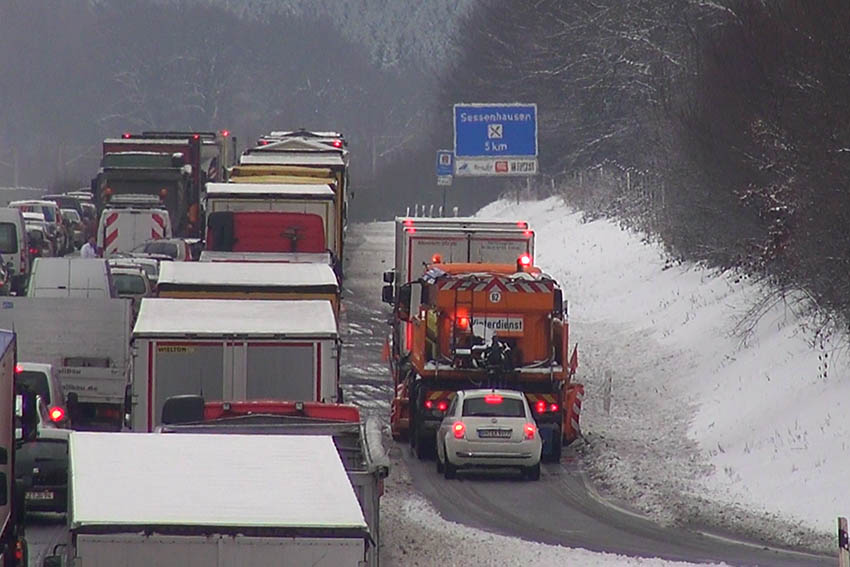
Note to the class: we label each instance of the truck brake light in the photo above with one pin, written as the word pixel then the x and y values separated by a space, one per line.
pixel 126 135
pixel 529 430
pixel 459 429
pixel 429 404
pixel 554 407
pixel 540 406
pixel 524 260
pixel 408 222
pixel 225 133
pixel 337 143
pixel 19 368
pixel 442 405
pixel 463 323
pixel 522 224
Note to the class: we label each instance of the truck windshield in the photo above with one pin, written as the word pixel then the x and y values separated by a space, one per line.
pixel 8 238
pixel 36 381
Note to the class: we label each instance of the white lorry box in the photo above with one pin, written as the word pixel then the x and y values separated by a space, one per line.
pixel 248 280
pixel 71 277
pixel 88 343
pixel 13 246
pixel 227 349
pixel 210 500
pixel 122 229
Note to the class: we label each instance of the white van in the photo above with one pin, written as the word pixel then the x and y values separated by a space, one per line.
pixel 71 277
pixel 14 246
pixel 121 229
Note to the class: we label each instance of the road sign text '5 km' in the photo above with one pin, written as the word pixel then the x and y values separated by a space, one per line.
pixel 495 130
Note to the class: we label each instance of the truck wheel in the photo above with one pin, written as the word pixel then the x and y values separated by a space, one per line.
pixel 554 455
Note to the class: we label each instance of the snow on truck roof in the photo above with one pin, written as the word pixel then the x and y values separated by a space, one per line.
pixel 223 481
pixel 248 189
pixel 293 158
pixel 167 317
pixel 245 274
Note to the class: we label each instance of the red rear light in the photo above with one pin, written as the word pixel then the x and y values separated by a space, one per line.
pixel 337 143
pixel 33 251
pixel 196 136
pixel 126 135
pixel 524 260
pixel 57 414
pixel 408 222
pixel 429 404
pixel 19 368
pixel 522 224
pixel 463 322
pixel 436 259
pixel 529 430
pixel 554 407
pixel 540 407
pixel 459 429
pixel 442 405
pixel 410 229
pixel 527 233
pixel 225 133
pixel 493 399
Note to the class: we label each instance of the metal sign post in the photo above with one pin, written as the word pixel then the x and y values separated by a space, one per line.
pixel 445 170
pixel 495 139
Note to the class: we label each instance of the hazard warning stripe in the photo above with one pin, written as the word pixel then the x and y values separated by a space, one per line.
pixel 110 238
pixel 159 220
pixel 111 219
pixel 503 283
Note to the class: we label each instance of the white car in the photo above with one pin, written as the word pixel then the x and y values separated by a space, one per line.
pixel 42 379
pixel 489 428
pixel 148 265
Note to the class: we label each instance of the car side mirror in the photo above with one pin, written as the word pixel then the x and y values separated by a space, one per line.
pixel 186 408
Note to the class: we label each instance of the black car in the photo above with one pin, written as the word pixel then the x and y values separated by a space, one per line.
pixel 41 466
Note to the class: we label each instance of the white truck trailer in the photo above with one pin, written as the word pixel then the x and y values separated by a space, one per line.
pixel 210 500
pixel 87 340
pixel 228 349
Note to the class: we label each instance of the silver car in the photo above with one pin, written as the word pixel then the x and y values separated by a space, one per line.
pixel 489 429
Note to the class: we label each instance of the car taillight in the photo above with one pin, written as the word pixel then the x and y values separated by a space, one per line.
pixel 57 414
pixel 529 430
pixel 554 407
pixel 19 368
pixel 540 406
pixel 462 323
pixel 429 404
pixel 459 429
pixel 442 405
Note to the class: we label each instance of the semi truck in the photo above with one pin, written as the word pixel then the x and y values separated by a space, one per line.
pixel 226 349
pixel 358 442
pixel 88 341
pixel 484 325
pixel 277 218
pixel 248 280
pixel 211 500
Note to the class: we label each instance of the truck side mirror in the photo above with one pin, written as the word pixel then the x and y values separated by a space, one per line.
pixel 389 276
pixel 558 308
pixel 402 303
pixel 387 294
pixel 187 408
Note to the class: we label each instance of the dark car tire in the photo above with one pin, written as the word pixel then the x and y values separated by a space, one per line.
pixel 532 473
pixel 449 470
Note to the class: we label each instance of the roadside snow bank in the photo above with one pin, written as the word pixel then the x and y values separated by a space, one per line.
pixel 687 418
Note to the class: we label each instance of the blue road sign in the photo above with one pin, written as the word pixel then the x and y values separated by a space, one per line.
pixel 495 130
pixel 445 162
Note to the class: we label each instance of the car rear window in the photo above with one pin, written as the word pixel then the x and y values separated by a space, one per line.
pixel 36 381
pixel 167 248
pixel 496 407
pixel 8 238
pixel 127 283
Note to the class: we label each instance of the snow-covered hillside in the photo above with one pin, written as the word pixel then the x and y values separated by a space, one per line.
pixel 690 415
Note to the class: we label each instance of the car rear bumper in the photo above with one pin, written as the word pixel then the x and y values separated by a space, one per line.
pixel 478 454
pixel 46 498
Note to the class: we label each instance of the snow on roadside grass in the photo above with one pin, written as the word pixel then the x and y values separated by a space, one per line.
pixel 685 419
pixel 415 535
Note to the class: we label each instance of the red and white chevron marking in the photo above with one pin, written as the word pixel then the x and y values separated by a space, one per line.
pixel 506 284
pixel 158 229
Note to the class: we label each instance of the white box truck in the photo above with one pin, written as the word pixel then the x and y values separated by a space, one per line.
pixel 211 500
pixel 87 340
pixel 228 349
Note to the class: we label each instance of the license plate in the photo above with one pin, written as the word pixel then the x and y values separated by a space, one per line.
pixel 494 433
pixel 44 495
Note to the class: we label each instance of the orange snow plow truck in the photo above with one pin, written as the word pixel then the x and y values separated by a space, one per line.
pixel 484 325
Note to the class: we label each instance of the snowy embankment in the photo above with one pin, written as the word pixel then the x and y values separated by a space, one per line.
pixel 688 417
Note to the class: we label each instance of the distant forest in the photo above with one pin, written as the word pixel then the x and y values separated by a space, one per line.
pixel 718 126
